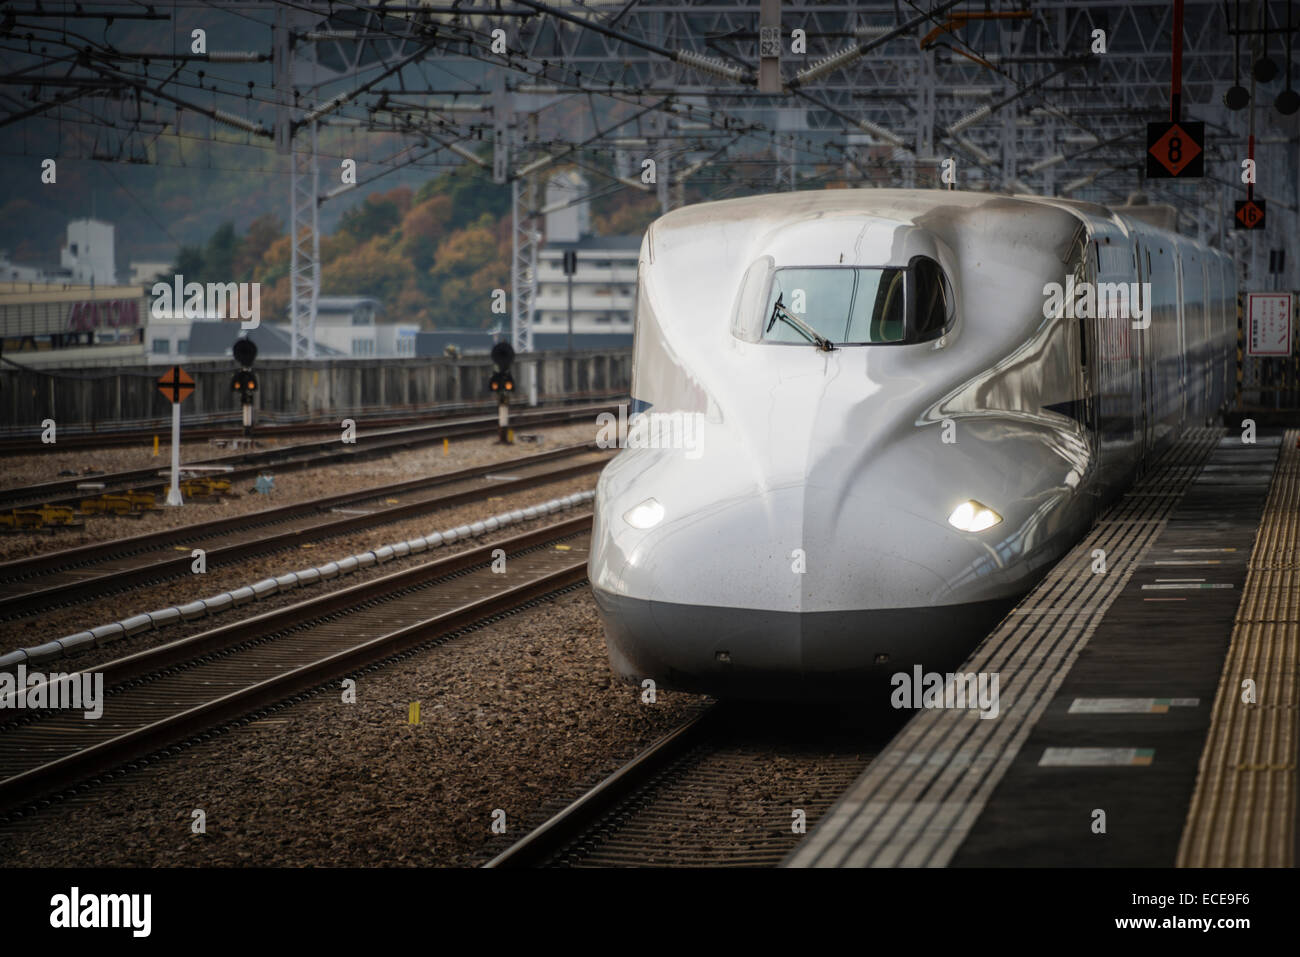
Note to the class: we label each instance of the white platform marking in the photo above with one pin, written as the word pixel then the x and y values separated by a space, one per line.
pixel 1130 705
pixel 1187 586
pixel 1096 757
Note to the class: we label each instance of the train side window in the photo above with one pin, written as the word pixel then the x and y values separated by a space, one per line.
pixel 933 306
pixel 1082 267
pixel 747 314
pixel 1141 286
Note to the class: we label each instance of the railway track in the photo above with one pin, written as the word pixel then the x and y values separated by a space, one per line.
pixel 39 583
pixel 301 456
pixel 164 697
pixel 722 789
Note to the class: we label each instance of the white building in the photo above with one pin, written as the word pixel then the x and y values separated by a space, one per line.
pixel 145 273
pixel 349 324
pixel 17 272
pixel 568 214
pixel 604 283
pixel 88 253
pixel 345 326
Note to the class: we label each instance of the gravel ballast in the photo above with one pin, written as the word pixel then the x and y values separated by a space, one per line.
pixel 291 485
pixel 57 622
pixel 513 717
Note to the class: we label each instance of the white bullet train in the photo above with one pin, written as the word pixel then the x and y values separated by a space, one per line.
pixel 865 422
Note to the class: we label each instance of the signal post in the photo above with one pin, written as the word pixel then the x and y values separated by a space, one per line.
pixel 244 384
pixel 502 383
pixel 176 385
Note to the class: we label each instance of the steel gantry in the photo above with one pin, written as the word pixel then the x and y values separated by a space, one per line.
pixel 1047 96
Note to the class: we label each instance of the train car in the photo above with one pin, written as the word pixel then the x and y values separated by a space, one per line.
pixel 866 422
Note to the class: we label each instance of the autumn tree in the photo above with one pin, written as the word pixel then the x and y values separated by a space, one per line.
pixel 371 270
pixel 467 267
pixel 251 261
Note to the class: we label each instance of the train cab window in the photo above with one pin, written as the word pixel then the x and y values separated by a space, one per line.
pixel 845 305
pixel 849 306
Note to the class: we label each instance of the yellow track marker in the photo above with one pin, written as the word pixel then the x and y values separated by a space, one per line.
pixel 414 717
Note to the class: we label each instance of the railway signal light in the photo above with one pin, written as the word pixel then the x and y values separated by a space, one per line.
pixel 245 351
pixel 244 384
pixel 502 357
pixel 502 383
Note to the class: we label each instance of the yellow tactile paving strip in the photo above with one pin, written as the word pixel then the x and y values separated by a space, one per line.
pixel 1244 810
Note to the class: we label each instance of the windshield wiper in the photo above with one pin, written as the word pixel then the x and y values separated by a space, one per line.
pixel 799 326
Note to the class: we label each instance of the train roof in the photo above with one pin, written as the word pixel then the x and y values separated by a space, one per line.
pixel 924 208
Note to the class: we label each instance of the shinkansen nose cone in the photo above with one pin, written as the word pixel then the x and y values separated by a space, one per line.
pixel 774 553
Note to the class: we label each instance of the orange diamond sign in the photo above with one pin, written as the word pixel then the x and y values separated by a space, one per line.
pixel 1175 150
pixel 1249 214
pixel 176 384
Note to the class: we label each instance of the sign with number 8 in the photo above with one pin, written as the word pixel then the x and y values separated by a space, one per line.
pixel 1175 150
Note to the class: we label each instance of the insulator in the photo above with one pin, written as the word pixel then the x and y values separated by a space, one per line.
pixel 970 119
pixel 708 64
pixel 324 108
pixel 234 56
pixel 880 133
pixel 230 119
pixel 1043 164
pixel 828 64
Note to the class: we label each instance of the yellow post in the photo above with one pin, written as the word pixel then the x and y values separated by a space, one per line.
pixel 155 445
pixel 414 717
pixel 446 445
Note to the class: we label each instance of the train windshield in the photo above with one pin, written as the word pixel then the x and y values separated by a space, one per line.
pixel 846 305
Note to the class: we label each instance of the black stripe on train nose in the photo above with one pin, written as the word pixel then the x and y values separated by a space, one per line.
pixel 1072 409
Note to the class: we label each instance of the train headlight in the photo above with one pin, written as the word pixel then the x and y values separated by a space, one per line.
pixel 972 516
pixel 646 515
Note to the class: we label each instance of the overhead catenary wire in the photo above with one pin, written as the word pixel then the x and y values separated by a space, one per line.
pixel 870 120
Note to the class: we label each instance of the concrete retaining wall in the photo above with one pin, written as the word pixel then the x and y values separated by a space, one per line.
pixel 89 397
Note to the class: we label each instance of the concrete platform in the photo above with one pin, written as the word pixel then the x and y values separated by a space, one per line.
pixel 1121 739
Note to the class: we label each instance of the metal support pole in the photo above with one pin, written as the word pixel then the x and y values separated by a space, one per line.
pixel 769 48
pixel 314 173
pixel 304 247
pixel 523 267
pixel 174 493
